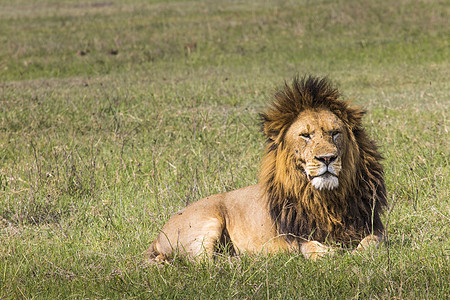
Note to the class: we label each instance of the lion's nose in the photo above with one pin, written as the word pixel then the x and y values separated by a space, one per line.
pixel 326 159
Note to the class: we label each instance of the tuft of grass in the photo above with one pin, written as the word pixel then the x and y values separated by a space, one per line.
pixel 114 115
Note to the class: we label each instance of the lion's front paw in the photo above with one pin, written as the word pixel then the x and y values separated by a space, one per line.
pixel 315 250
pixel 370 241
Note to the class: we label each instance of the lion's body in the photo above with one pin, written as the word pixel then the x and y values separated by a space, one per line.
pixel 320 181
pixel 238 216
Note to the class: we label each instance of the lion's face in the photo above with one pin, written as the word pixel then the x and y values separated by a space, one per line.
pixel 317 141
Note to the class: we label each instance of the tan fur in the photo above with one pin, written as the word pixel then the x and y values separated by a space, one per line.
pixel 320 182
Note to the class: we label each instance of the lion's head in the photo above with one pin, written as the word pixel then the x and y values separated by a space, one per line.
pixel 321 172
pixel 318 141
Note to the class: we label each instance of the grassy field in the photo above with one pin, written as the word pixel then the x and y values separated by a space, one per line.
pixel 115 114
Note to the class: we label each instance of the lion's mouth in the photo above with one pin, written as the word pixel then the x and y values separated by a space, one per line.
pixel 324 172
pixel 327 180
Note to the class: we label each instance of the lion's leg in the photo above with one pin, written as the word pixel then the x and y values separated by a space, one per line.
pixel 190 233
pixel 202 238
pixel 315 250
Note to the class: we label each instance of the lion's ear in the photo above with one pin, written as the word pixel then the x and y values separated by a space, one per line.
pixel 272 127
pixel 270 133
pixel 267 126
pixel 354 116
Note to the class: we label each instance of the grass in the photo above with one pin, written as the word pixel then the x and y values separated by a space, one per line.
pixel 114 115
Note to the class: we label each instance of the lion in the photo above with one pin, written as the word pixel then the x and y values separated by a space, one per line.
pixel 321 185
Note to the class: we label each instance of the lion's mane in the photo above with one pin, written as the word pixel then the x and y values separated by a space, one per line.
pixel 300 211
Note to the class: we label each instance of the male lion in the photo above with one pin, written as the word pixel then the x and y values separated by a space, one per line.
pixel 320 181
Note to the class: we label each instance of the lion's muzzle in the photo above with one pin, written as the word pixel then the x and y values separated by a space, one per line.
pixel 324 172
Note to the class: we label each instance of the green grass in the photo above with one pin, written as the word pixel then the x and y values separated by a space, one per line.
pixel 98 150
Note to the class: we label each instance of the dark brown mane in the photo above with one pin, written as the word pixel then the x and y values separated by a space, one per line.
pixel 300 211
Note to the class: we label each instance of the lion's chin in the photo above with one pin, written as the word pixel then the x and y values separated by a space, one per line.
pixel 326 181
